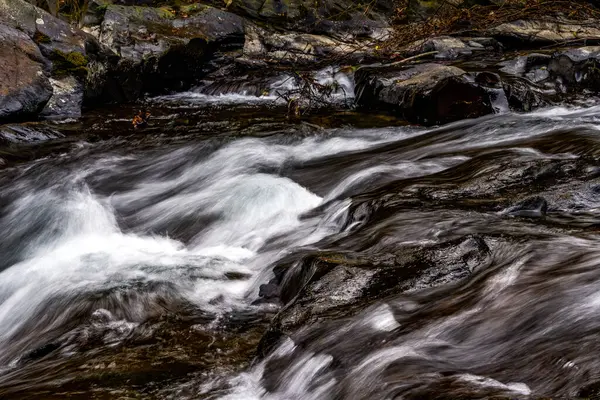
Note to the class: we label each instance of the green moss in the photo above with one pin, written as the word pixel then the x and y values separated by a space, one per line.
pixel 73 63
pixel 40 37
pixel 166 12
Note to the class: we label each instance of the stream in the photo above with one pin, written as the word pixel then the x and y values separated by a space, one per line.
pixel 456 262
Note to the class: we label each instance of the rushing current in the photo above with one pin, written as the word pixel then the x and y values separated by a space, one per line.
pixel 408 263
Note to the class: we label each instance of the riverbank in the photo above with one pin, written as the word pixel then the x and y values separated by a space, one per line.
pixel 124 54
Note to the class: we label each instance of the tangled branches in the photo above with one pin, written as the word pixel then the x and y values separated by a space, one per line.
pixel 455 17
pixel 308 93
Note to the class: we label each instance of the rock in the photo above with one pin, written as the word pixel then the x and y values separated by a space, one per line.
pixel 533 207
pixel 420 10
pixel 525 32
pixel 160 50
pixel 448 48
pixel 428 94
pixel 27 133
pixel 240 78
pixel 525 64
pixel 66 100
pixel 24 86
pixel 526 81
pixel 94 13
pixel 331 285
pixel 295 47
pixel 577 68
pixel 50 33
pixel 524 96
pixel 268 291
pixel 341 19
pixel 66 51
pixel 489 43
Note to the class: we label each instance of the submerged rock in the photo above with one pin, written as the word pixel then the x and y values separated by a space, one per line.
pixel 26 133
pixel 427 93
pixel 331 285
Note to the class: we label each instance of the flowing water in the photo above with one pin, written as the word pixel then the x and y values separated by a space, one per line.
pixel 307 262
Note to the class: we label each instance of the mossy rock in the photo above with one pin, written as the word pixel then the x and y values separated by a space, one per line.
pixel 73 63
pixel 40 38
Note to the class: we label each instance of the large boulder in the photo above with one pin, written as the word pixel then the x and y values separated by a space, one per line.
pixel 51 34
pixel 65 52
pixel 24 86
pixel 428 94
pixel 160 49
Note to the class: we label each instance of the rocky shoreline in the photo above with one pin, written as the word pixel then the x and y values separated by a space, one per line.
pixel 52 70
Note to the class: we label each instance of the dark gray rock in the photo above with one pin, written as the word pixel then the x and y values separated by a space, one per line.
pixel 577 68
pixel 159 51
pixel 51 34
pixel 66 100
pixel 525 96
pixel 297 48
pixel 448 48
pixel 26 133
pixel 66 51
pixel 533 207
pixel 24 87
pixel 428 94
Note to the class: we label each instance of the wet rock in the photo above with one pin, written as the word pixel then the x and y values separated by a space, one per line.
pixel 526 81
pixel 330 285
pixel 66 100
pixel 427 93
pixel 533 207
pixel 66 52
pixel 239 78
pixel 577 68
pixel 473 251
pixel 493 85
pixel 527 32
pixel 268 291
pixel 295 47
pixel 524 64
pixel 448 48
pixel 159 50
pixel 524 96
pixel 51 34
pixel 27 133
pixel 24 86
